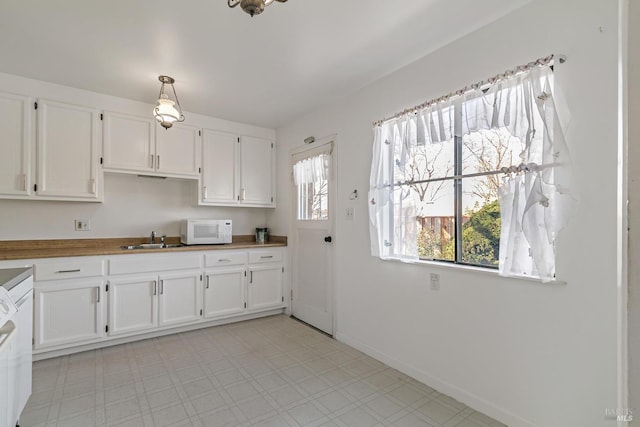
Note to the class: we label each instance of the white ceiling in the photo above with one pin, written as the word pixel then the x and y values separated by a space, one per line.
pixel 265 70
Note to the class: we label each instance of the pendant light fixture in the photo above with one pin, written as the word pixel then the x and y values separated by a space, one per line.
pixel 252 7
pixel 167 111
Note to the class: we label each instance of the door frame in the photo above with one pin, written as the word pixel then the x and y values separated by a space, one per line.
pixel 333 186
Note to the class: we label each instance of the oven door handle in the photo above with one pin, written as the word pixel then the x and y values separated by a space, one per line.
pixel 24 298
pixel 7 332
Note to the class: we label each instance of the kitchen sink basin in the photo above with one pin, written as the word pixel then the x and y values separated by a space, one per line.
pixel 153 246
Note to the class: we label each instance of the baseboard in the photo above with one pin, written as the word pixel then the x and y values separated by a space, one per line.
pixel 469 399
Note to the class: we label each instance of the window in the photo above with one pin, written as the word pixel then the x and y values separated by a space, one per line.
pixel 312 185
pixel 478 178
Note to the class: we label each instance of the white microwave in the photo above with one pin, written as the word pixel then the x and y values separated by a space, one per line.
pixel 205 231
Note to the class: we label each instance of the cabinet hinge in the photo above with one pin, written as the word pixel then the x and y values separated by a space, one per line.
pixel 35 187
pixel 282 299
pixel 238 140
pixel 272 145
pixel 33 341
pixel 238 197
pixel 101 160
pixel 201 277
pixel 106 328
pixel 272 200
pixel 245 305
pixel 245 274
pixel 283 269
pixel 107 288
pixel 200 134
pixel 101 116
pixel 199 170
pixel 200 312
pixel 291 294
pixel 35 105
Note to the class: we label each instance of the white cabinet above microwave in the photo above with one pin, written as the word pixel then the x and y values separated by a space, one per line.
pixel 236 170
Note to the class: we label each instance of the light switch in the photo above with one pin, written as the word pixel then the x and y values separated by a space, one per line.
pixel 350 214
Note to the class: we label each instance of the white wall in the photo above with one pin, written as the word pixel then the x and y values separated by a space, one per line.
pixel 133 206
pixel 634 209
pixel 525 353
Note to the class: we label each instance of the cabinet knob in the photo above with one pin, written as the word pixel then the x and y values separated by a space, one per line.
pixel 328 239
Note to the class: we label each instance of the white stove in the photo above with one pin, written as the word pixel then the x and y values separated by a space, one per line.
pixel 16 326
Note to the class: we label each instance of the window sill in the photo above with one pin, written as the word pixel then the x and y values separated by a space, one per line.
pixel 487 271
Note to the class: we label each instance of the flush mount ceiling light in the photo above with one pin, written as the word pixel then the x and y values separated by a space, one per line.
pixel 252 7
pixel 166 112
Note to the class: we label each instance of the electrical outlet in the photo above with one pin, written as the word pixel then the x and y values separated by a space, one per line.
pixel 83 225
pixel 350 214
pixel 435 282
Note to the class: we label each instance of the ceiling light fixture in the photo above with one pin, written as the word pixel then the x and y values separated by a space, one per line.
pixel 166 112
pixel 252 7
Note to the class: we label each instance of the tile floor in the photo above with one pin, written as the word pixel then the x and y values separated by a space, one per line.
pixel 273 371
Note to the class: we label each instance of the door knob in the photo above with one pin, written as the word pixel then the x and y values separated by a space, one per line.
pixel 327 239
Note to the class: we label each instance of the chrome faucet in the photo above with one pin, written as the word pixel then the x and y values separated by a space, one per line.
pixel 152 239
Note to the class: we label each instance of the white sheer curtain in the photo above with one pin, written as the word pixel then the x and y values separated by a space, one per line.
pixel 534 207
pixel 311 169
pixel 392 207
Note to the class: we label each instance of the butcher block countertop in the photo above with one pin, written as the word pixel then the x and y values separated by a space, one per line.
pixel 31 249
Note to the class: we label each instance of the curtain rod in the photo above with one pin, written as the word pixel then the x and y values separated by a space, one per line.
pixel 540 62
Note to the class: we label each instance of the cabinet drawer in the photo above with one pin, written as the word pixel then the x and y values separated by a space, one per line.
pixel 220 259
pixel 67 269
pixel 265 255
pixel 131 264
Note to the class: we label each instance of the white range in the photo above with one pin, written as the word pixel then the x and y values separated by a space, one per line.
pixel 16 334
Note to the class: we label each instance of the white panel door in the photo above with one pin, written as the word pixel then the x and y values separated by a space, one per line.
pixel 224 292
pixel 312 243
pixel 68 150
pixel 264 287
pixel 133 305
pixel 256 156
pixel 16 126
pixel 68 313
pixel 128 142
pixel 219 168
pixel 178 150
pixel 180 298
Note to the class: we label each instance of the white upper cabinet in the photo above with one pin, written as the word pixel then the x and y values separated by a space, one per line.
pixel 135 144
pixel 178 151
pixel 67 151
pixel 219 168
pixel 237 170
pixel 129 142
pixel 256 171
pixel 16 128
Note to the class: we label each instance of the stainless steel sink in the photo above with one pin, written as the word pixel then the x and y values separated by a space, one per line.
pixel 152 246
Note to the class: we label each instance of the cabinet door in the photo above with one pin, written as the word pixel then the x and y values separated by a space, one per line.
pixel 265 287
pixel 133 305
pixel 16 125
pixel 67 146
pixel 68 313
pixel 178 150
pixel 256 156
pixel 180 298
pixel 219 168
pixel 224 292
pixel 128 143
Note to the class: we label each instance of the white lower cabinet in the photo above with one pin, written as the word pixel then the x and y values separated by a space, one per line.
pixel 87 300
pixel 265 287
pixel 224 293
pixel 133 305
pixel 180 298
pixel 68 313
